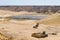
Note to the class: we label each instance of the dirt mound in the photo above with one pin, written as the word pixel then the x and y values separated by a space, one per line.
pixel 51 20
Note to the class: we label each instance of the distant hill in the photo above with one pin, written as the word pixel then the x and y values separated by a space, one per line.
pixel 38 9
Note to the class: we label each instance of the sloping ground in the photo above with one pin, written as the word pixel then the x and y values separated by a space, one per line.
pixel 10 13
pixel 51 20
pixel 22 30
pixel 17 30
pixel 4 13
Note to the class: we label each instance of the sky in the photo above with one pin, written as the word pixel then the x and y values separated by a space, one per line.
pixel 29 2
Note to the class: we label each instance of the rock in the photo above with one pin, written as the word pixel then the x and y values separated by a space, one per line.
pixel 53 33
pixel 37 25
pixel 39 35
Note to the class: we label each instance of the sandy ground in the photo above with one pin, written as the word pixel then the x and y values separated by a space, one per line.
pixel 22 30
pixel 5 13
pixel 53 19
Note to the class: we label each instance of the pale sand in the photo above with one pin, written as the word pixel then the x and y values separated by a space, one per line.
pixel 23 29
pixel 5 13
pixel 53 19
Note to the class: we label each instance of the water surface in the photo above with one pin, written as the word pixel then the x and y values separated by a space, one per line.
pixel 30 17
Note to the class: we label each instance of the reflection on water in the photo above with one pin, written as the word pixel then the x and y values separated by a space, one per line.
pixel 30 17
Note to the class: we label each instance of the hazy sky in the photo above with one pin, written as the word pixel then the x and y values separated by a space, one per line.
pixel 29 2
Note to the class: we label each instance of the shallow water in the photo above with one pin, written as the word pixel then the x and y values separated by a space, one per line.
pixel 30 17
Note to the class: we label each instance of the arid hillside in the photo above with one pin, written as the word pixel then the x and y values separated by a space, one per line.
pixel 38 9
pixel 14 25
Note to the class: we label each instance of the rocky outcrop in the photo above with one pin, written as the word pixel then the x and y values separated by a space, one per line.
pixel 38 9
